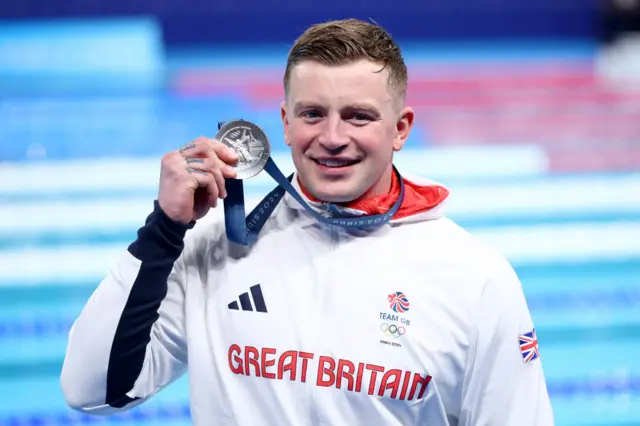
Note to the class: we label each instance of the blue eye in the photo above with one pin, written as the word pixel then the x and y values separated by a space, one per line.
pixel 361 117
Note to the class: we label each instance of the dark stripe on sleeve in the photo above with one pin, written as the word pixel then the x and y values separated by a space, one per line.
pixel 159 244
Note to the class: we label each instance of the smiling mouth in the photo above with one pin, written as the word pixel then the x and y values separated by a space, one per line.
pixel 336 163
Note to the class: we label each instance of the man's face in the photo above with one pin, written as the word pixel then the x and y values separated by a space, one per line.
pixel 343 124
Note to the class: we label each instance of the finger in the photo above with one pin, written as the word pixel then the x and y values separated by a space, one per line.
pixel 199 178
pixel 211 164
pixel 226 170
pixel 224 153
pixel 219 178
pixel 200 147
pixel 213 190
pixel 203 164
pixel 206 180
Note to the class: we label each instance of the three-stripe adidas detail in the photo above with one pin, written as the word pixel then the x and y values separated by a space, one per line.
pixel 245 301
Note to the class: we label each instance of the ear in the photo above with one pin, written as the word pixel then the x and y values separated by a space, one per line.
pixel 285 122
pixel 403 127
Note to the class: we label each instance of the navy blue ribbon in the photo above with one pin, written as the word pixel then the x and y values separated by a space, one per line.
pixel 244 230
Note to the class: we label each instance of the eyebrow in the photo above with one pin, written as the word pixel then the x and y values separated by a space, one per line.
pixel 357 106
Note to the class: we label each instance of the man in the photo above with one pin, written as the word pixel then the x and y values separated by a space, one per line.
pixel 412 322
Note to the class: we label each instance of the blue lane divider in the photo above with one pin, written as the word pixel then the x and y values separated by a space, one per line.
pixel 123 236
pixel 603 299
pixel 592 387
pixel 607 387
pixel 565 302
pixel 35 327
pixel 166 412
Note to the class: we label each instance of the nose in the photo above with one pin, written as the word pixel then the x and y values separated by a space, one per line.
pixel 333 136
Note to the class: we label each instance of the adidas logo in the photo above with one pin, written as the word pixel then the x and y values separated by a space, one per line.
pixel 245 301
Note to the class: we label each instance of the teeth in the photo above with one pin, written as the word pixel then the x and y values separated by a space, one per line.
pixel 335 163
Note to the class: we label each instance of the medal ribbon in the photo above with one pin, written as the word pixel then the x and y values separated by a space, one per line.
pixel 244 230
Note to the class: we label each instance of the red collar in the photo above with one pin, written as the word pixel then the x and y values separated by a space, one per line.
pixel 417 199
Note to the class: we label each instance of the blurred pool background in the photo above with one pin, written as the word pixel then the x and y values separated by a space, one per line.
pixel 528 111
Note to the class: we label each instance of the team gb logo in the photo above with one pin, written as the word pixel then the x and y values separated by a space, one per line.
pixel 398 302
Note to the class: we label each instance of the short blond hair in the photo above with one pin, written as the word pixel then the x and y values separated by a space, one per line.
pixel 343 41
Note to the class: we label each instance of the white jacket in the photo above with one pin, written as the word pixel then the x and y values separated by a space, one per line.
pixel 300 328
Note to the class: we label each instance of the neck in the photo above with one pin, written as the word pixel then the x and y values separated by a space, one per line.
pixel 381 187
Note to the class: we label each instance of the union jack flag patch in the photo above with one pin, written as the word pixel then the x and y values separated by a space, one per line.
pixel 529 346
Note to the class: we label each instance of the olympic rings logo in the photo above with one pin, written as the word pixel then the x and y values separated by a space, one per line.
pixel 392 330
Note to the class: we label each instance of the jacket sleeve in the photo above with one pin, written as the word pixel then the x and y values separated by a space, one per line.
pixel 129 340
pixel 504 385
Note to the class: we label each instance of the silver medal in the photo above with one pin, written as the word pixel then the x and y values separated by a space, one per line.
pixel 249 142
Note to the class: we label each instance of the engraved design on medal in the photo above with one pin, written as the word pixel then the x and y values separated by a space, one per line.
pixel 249 142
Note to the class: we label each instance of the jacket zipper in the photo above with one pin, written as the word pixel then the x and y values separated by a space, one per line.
pixel 314 418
